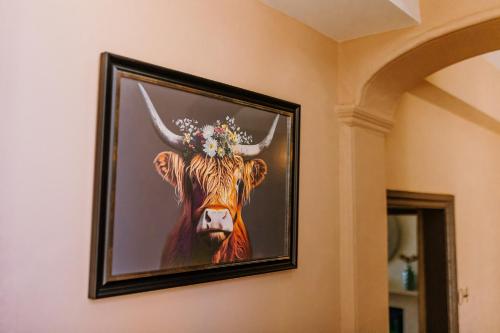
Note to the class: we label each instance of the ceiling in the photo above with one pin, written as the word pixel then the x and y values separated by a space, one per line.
pixel 348 19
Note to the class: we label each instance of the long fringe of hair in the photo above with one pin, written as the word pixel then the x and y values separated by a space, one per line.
pixel 215 176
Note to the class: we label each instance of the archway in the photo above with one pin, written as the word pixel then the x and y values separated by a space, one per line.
pixel 382 91
pixel 362 164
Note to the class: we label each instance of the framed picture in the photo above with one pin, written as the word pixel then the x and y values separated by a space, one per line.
pixel 195 180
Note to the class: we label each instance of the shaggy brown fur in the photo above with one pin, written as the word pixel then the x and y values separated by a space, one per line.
pixel 208 183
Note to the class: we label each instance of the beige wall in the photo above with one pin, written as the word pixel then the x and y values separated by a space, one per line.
pixel 434 149
pixel 475 81
pixel 48 88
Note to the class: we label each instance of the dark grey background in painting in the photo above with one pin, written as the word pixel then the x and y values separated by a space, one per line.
pixel 146 208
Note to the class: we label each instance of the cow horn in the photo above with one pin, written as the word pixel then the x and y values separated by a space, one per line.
pixel 169 137
pixel 254 150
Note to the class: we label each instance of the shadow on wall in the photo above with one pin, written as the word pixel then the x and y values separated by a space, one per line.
pixel 450 103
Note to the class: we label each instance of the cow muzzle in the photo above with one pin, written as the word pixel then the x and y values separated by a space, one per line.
pixel 215 224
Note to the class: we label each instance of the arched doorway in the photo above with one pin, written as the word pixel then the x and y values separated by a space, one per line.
pixel 362 165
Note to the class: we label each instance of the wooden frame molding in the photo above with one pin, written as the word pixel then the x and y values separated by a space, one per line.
pixel 446 204
pixel 103 282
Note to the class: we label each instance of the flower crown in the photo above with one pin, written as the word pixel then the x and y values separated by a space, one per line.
pixel 216 140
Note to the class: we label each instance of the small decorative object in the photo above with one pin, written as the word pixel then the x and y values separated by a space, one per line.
pixel 195 180
pixel 408 275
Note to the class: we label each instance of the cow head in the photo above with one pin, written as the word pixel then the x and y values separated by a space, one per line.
pixel 213 188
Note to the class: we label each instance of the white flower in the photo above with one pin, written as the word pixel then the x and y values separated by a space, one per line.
pixel 208 131
pixel 210 147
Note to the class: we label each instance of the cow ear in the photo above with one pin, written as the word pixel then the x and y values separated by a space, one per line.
pixel 170 166
pixel 256 171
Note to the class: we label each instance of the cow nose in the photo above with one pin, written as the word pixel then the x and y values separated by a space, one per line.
pixel 215 220
pixel 215 215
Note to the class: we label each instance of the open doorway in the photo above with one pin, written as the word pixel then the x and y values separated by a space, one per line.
pixel 422 263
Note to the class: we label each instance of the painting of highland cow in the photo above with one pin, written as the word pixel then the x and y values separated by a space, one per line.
pixel 195 181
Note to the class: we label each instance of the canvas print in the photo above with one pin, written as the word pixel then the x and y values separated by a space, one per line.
pixel 197 180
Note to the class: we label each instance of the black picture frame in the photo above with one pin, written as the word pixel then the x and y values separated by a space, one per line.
pixel 99 285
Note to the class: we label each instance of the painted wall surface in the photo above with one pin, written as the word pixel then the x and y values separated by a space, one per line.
pixel 475 81
pixel 434 149
pixel 48 86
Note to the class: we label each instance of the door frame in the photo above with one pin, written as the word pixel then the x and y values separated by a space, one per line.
pixel 446 203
